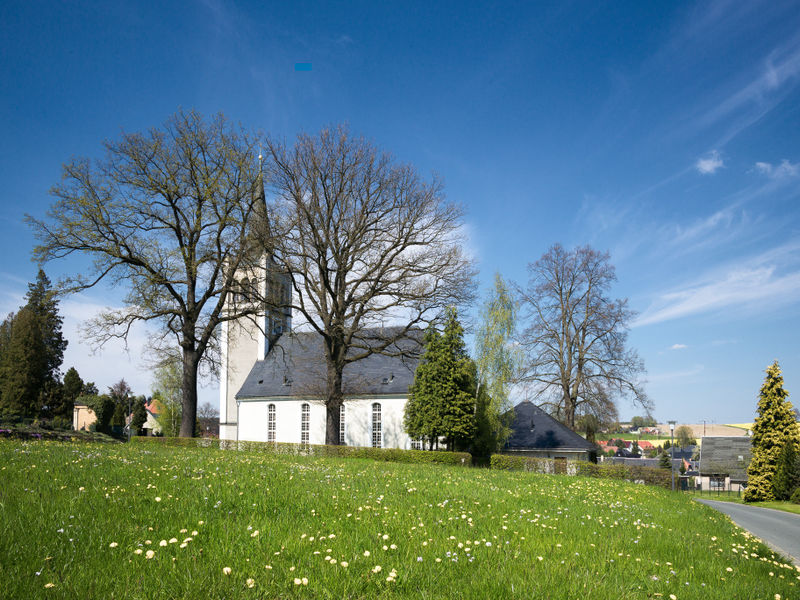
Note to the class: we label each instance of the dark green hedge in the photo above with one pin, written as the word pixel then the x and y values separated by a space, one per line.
pixel 384 454
pixel 637 474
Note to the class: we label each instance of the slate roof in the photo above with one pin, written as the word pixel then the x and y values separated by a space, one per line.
pixel 534 429
pixel 295 366
pixel 720 456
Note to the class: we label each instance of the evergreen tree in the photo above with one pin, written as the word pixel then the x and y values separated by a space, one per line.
pixel 139 415
pixel 73 386
pixel 774 427
pixel 31 351
pixel 23 372
pixel 664 461
pixel 787 472
pixel 442 399
pixel 497 364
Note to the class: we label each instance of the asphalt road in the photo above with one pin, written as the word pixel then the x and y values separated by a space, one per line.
pixel 779 529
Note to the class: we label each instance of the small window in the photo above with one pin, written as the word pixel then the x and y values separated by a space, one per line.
pixel 305 421
pixel 271 423
pixel 377 433
pixel 416 443
pixel 341 425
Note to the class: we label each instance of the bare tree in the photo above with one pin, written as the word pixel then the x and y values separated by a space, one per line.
pixel 366 242
pixel 174 215
pixel 575 340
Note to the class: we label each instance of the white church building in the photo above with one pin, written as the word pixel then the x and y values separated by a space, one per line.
pixel 272 383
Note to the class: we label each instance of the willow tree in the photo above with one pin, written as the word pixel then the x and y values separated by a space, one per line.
pixel 774 427
pixel 498 360
pixel 366 242
pixel 173 216
pixel 577 360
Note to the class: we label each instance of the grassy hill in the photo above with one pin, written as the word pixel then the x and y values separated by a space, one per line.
pixel 141 521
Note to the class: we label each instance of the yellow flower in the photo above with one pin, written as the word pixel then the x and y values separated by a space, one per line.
pixel 49 585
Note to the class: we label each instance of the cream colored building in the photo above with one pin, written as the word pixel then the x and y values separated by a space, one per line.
pixel 82 417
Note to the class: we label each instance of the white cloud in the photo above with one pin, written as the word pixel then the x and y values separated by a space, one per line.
pixel 765 282
pixel 785 169
pixel 710 163
pixel 678 347
pixel 672 375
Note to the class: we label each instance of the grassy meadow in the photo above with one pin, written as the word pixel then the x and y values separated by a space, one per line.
pixel 140 521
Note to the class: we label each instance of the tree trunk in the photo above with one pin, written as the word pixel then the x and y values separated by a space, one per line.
pixel 191 360
pixel 333 403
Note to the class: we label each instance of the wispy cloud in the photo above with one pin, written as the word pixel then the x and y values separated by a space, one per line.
pixel 678 347
pixel 783 170
pixel 710 163
pixel 672 375
pixel 768 281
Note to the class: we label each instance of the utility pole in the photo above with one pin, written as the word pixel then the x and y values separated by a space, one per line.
pixel 672 451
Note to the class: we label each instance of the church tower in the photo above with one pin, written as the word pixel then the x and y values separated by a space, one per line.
pixel 247 340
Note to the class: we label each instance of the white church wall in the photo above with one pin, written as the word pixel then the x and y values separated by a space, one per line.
pixel 253 421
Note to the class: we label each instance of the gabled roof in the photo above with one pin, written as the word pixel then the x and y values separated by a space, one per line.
pixel 295 366
pixel 534 429
pixel 720 456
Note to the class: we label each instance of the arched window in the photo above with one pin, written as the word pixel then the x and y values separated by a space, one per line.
pixel 305 422
pixel 341 424
pixel 377 433
pixel 271 423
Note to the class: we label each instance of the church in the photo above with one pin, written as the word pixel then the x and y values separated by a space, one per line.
pixel 272 379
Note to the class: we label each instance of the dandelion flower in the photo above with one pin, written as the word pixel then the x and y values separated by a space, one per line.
pixel 226 570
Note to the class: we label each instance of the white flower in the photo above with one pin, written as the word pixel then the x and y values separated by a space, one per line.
pixel 162 543
pixel 250 582
pixel 158 498
pixel 226 570
pixel 149 554
pixel 113 545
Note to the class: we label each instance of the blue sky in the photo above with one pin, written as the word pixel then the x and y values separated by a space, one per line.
pixel 665 133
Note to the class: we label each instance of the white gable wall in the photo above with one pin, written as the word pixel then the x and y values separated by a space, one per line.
pixel 358 421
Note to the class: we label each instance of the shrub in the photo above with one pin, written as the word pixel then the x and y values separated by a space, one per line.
pixel 795 499
pixel 382 454
pixel 633 473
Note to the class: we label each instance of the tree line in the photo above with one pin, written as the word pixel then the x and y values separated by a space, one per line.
pixel 182 215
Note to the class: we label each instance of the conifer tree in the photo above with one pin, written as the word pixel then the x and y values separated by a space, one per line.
pixel 31 351
pixel 442 399
pixel 787 472
pixel 774 427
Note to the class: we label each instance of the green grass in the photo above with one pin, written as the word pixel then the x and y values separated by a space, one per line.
pixel 495 534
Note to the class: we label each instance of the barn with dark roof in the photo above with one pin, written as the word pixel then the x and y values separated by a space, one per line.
pixel 535 433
